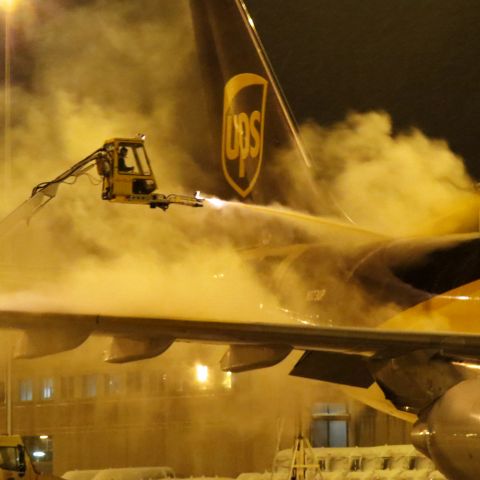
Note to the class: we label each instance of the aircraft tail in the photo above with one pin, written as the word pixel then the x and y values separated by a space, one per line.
pixel 251 126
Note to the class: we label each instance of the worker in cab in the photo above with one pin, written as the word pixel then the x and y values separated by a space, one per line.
pixel 122 161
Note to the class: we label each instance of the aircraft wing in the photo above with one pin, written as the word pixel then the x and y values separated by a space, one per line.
pixel 330 352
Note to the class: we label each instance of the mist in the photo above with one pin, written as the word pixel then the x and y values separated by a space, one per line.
pixel 109 69
pixel 396 183
pixel 133 70
pixel 130 71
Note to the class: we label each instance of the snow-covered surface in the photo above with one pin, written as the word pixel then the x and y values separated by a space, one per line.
pixel 389 462
pixel 79 474
pixel 133 473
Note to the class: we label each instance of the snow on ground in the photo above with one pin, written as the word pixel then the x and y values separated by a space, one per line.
pixel 389 462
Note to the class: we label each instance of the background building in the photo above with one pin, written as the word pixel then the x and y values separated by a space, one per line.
pixel 178 410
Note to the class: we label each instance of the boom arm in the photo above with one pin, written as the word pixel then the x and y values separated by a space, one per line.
pixel 50 188
pixel 131 185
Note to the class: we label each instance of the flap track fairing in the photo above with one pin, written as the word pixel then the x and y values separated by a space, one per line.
pixel 240 358
pixel 122 349
pixel 38 343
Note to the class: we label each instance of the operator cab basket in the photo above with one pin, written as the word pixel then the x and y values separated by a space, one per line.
pixel 126 171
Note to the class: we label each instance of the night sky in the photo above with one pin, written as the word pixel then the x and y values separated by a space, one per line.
pixel 418 60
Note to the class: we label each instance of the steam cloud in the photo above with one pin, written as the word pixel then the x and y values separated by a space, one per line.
pixel 133 70
pixel 395 184
pixel 128 72
pixel 105 69
pixel 130 68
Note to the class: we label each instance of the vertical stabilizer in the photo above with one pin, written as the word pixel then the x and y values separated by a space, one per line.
pixel 249 120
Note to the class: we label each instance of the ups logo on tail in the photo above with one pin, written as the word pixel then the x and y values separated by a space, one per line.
pixel 244 101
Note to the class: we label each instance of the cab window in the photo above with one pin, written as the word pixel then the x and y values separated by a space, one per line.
pixel 8 458
pixel 132 159
pixel 141 159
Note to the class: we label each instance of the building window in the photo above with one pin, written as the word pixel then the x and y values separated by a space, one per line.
pixel 113 384
pixel 2 392
pixel 227 380
pixel 157 383
pixel 134 382
pixel 329 426
pixel 89 386
pixel 46 390
pixel 26 390
pixel 67 387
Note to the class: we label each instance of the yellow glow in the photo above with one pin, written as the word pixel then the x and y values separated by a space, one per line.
pixel 44 437
pixel 201 373
pixel 7 4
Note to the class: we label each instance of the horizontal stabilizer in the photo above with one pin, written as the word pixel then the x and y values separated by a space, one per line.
pixel 124 349
pixel 337 367
pixel 39 342
pixel 240 358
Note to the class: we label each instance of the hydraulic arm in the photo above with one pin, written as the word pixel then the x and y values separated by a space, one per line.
pixel 127 176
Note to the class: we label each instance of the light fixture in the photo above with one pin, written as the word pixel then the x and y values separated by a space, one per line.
pixel 201 373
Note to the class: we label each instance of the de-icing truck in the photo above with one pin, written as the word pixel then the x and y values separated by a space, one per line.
pixel 15 462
